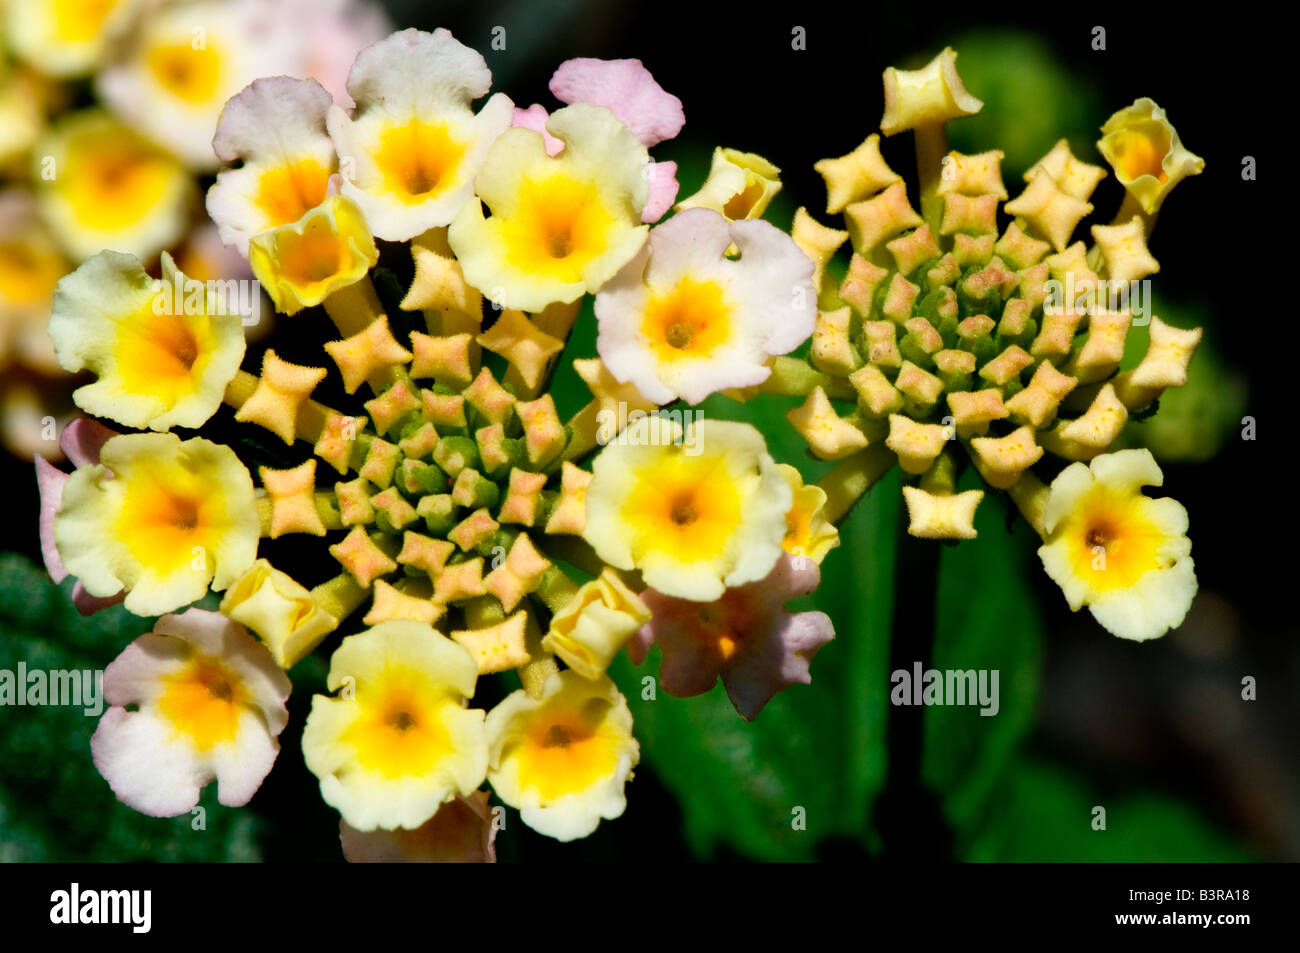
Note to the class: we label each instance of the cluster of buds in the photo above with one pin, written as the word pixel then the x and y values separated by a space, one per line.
pixel 959 334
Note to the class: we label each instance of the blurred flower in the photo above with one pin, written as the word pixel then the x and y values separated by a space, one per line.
pixel 65 38
pixel 563 758
pixel 398 741
pixel 195 700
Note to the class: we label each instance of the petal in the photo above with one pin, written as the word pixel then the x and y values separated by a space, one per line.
pixel 49 482
pixel 535 118
pixel 627 89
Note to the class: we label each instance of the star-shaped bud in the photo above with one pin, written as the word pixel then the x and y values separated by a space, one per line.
pixel 473 490
pixel 941 515
pixel 817 241
pixel 912 250
pixel 1036 404
pixel 900 297
pixel 354 502
pixel 392 603
pixel 359 555
pixel 293 500
pixel 1056 336
pixel 973 411
pixel 420 442
pixel 876 395
pixel 444 358
pixel 882 343
pixel 427 555
pixel 1101 424
pixel 489 398
pixel 1164 365
pixel 570 512
pixel 1019 250
pixel 439 283
pixel 831 350
pixel 281 392
pixel 1006 367
pixel 1053 213
pixel 1015 318
pixel 544 435
pixel 858 288
pixel 337 438
pixel 1143 148
pixel 1104 348
pixel 976 216
pixel 879 219
pixel 1001 460
pixel 1074 177
pixel 973 175
pixel 916 445
pixel 1124 247
pixel 520 574
pixel 523 494
pixel 459 581
pixel 444 410
pixel 366 353
pixel 499 647
pixel 453 454
pixel 437 510
pixel 927 96
pixel 392 511
pixel 919 387
pixel 389 408
pixel 527 348
pixel 473 530
pixel 856 176
pixel 830 436
pixel 380 462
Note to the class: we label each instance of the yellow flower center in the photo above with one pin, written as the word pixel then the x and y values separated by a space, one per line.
pixel 693 319
pixel 189 74
pixel 1142 150
pixel 1115 543
pixel 400 730
pixel 203 701
pixel 687 507
pixel 739 205
pixel 419 160
pixel 170 517
pixel 567 750
pixel 163 354
pixel 560 227
pixel 287 193
pixel 79 21
pixel 315 256
pixel 114 179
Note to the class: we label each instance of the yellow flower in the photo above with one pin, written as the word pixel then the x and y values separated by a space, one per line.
pixel 588 632
pixel 280 610
pixel 162 351
pixel 561 226
pixel 932 94
pixel 1143 148
pixel 103 186
pixel 397 741
pixel 64 37
pixel 740 185
pixel 30 268
pixel 695 510
pixel 1124 555
pixel 563 759
pixel 808 532
pixel 415 142
pixel 160 517
pixel 303 263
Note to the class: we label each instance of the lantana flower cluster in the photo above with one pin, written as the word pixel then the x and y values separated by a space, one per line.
pixel 107 111
pixel 477 533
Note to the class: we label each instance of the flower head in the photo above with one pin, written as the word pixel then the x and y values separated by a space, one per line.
pixel 1124 555
pixel 560 226
pixel 397 741
pixel 747 637
pixel 696 510
pixel 162 351
pixel 563 759
pixel 159 517
pixel 415 141
pixel 1143 148
pixel 683 320
pixel 286 615
pixel 594 624
pixel 195 700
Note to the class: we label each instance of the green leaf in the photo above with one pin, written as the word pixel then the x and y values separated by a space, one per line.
pixel 986 618
pixel 818 747
pixel 1044 813
pixel 54 806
